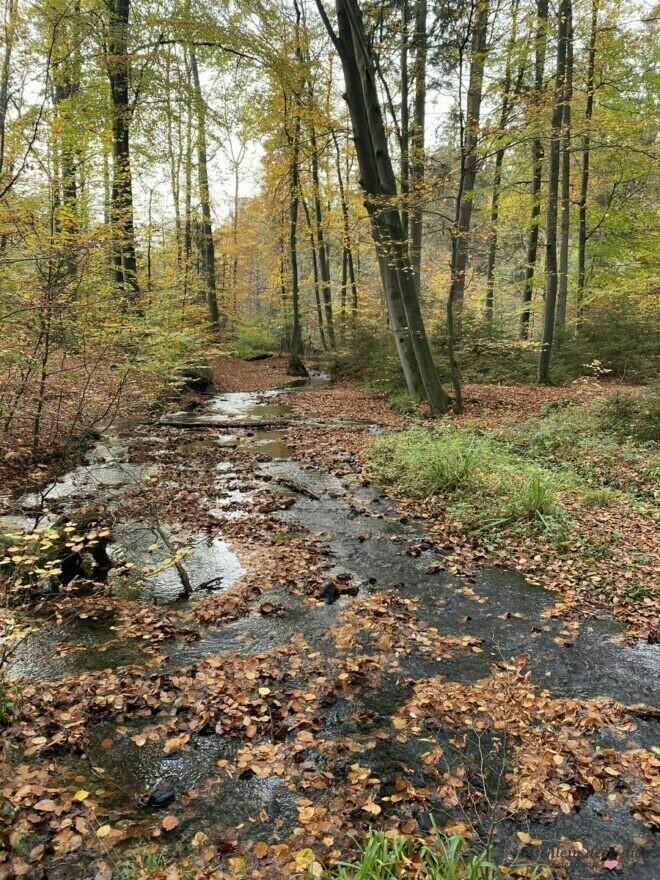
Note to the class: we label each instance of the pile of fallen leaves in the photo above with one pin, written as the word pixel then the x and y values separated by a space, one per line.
pixel 549 763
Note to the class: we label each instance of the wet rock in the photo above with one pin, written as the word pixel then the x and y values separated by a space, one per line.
pixel 329 592
pixel 424 821
pixel 161 796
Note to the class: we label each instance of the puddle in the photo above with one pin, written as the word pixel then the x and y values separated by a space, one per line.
pixel 210 563
pixel 268 443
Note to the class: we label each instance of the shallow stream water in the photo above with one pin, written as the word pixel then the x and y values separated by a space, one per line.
pixel 367 539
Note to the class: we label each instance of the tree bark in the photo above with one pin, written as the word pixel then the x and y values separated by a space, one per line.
pixel 469 159
pixel 207 246
pixel 537 168
pixel 121 193
pixel 405 119
pixel 508 97
pixel 565 225
pixel 322 253
pixel 379 185
pixel 296 366
pixel 584 177
pixel 315 271
pixel 417 136
pixel 346 238
pixel 10 22
pixel 553 193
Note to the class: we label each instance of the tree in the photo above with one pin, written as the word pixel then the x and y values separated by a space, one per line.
pixel 586 158
pixel 379 185
pixel 537 164
pixel 207 247
pixel 117 60
pixel 559 97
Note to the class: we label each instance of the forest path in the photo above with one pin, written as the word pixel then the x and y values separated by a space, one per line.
pixel 326 673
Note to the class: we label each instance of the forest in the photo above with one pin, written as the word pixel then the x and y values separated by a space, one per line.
pixel 329 410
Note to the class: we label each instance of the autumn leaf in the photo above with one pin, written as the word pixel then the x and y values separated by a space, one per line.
pixel 170 822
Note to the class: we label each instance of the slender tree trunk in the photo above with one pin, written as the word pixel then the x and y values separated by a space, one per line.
pixel 174 158
pixel 9 28
pixel 106 179
pixel 234 232
pixel 553 193
pixel 121 195
pixel 187 183
pixel 315 271
pixel 323 262
pixel 296 366
pixel 346 238
pixel 207 246
pixel 537 168
pixel 584 178
pixel 417 136
pixel 405 120
pixel 286 328
pixel 507 101
pixel 469 159
pixel 565 226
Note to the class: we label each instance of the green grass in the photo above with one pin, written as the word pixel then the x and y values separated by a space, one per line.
pixel 402 858
pixel 486 482
pixel 521 475
pixel 140 865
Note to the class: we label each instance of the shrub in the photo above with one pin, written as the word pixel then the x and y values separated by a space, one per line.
pixel 633 416
pixel 255 335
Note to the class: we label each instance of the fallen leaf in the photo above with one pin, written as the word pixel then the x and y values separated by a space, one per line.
pixel 170 822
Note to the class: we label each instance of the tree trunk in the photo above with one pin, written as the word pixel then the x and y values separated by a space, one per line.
pixel 469 159
pixel 417 160
pixel 174 158
pixel 537 168
pixel 234 233
pixel 296 366
pixel 121 194
pixel 10 22
pixel 207 247
pixel 379 185
pixel 584 178
pixel 565 226
pixel 553 193
pixel 507 102
pixel 405 119
pixel 323 262
pixel 315 271
pixel 346 238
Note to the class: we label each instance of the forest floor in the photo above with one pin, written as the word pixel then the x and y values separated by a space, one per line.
pixel 350 656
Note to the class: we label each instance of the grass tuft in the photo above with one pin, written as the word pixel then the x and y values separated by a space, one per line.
pixel 384 857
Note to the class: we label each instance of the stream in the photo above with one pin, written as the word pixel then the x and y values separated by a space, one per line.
pixel 373 548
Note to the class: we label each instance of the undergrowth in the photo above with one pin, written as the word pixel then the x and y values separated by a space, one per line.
pixel 385 857
pixel 487 483
pixel 595 455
